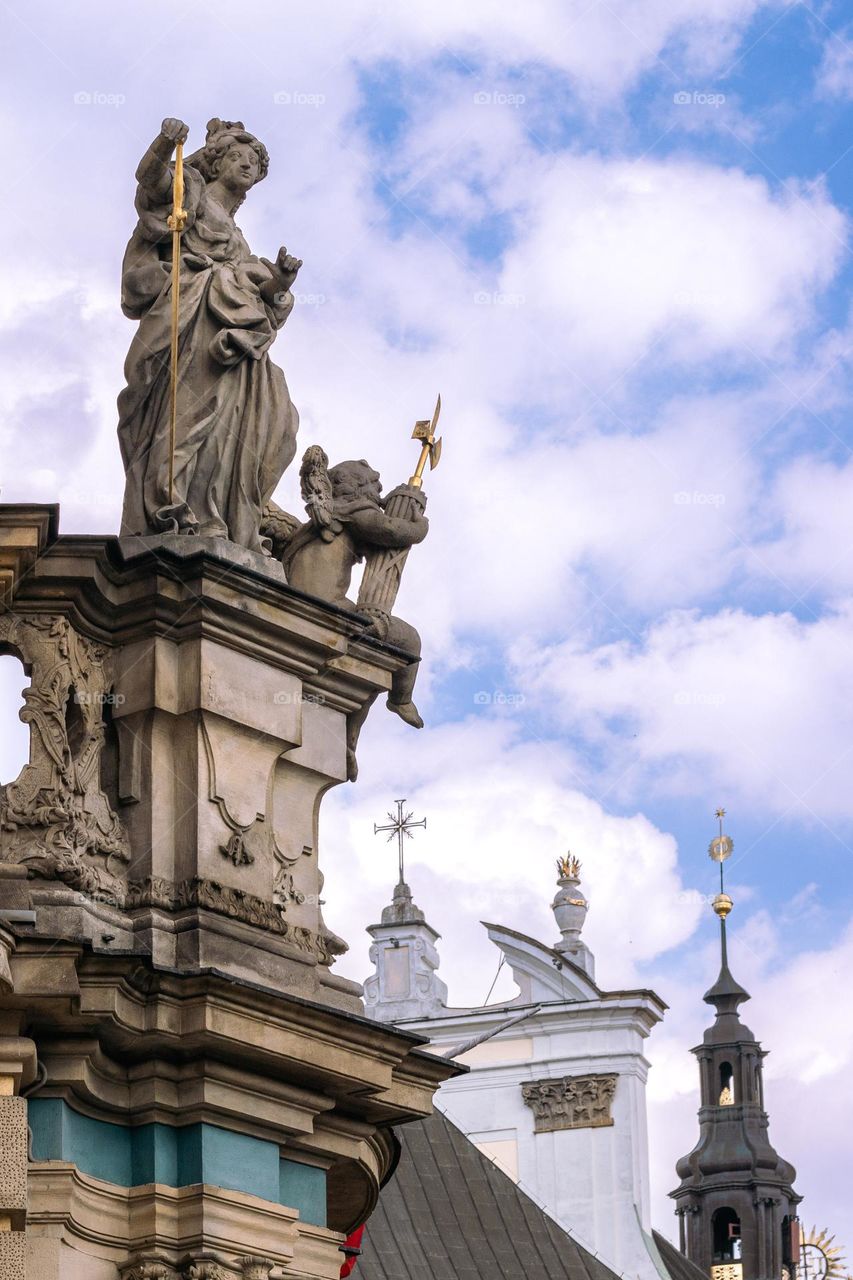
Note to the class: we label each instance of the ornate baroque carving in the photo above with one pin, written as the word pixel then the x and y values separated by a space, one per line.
pixel 55 817
pixel 206 1269
pixel 256 1268
pixel 234 903
pixel 570 1102
pixel 149 1269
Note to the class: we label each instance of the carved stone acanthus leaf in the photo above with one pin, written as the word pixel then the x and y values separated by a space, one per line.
pixel 150 1269
pixel 55 818
pixel 236 850
pixel 570 1102
pixel 234 903
pixel 256 1268
pixel 206 1269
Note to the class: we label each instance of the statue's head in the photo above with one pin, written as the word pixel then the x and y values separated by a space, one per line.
pixel 352 480
pixel 232 154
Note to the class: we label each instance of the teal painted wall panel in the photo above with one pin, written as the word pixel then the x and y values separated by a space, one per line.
pixel 176 1157
pixel 239 1162
pixel 44 1116
pixel 303 1187
pixel 154 1150
pixel 98 1148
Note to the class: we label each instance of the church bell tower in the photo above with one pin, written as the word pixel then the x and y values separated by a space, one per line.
pixel 736 1205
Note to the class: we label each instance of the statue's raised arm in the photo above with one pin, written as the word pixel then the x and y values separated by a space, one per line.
pixel 235 424
pixel 154 172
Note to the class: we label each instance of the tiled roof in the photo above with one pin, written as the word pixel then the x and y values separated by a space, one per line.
pixel 450 1212
pixel 679 1267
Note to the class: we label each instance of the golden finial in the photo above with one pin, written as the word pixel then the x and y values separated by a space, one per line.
pixel 719 850
pixel 569 867
pixel 722 905
pixel 721 846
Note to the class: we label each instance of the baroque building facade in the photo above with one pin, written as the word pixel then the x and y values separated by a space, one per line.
pixel 188 1091
pixel 556 1080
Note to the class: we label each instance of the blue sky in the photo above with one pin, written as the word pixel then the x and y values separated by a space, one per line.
pixel 616 237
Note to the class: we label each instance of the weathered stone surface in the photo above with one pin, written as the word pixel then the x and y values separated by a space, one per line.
pixel 188 711
pixel 13 1246
pixel 235 428
pixel 55 817
pixel 13 1166
pixel 348 520
pixel 25 531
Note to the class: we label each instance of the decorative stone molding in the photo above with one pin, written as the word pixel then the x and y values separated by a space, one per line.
pixel 55 818
pixel 570 1102
pixel 206 1269
pixel 154 1226
pixel 25 531
pixel 237 904
pixel 149 1269
pixel 256 1268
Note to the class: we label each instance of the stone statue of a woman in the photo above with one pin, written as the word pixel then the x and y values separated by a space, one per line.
pixel 235 425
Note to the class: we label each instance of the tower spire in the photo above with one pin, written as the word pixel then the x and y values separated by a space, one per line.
pixel 726 994
pixel 736 1202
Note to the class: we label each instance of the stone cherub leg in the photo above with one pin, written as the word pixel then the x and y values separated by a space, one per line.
pixel 349 520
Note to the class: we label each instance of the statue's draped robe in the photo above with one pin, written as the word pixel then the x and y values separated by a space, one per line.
pixel 236 425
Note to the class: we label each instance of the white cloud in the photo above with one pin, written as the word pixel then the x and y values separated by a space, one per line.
pixel 812 553
pixel 703 261
pixel 835 73
pixel 499 810
pixel 757 707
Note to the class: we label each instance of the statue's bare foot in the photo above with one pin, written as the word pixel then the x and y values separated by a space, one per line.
pixel 406 711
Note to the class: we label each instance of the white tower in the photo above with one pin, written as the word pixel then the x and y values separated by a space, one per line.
pixel 558 1098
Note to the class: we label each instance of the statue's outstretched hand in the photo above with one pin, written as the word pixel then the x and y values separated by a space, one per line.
pixel 174 131
pixel 286 268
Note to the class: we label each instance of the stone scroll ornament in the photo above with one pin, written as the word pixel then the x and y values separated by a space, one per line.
pixel 349 521
pixel 246 1268
pixel 570 1102
pixel 55 818
pixel 206 423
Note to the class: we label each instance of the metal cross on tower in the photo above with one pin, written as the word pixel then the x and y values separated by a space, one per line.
pixel 400 826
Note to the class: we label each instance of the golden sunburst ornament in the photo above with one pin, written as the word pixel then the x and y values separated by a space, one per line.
pixel 821 1258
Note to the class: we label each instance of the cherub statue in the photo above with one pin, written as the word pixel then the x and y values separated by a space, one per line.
pixel 236 426
pixel 347 521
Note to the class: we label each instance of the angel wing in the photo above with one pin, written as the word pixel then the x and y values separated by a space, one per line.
pixel 317 495
pixel 279 526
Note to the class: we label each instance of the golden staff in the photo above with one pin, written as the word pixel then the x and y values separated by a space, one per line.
pixel 177 221
pixel 430 448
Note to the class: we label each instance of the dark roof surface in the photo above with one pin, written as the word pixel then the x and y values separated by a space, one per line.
pixel 679 1267
pixel 450 1212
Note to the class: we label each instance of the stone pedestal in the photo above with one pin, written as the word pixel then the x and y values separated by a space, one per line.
pixel 211 1101
pixel 405 983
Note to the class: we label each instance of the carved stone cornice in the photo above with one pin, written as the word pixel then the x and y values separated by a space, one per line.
pixel 236 904
pixel 570 1102
pixel 25 531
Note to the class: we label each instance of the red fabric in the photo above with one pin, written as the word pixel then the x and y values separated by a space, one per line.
pixel 352 1242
